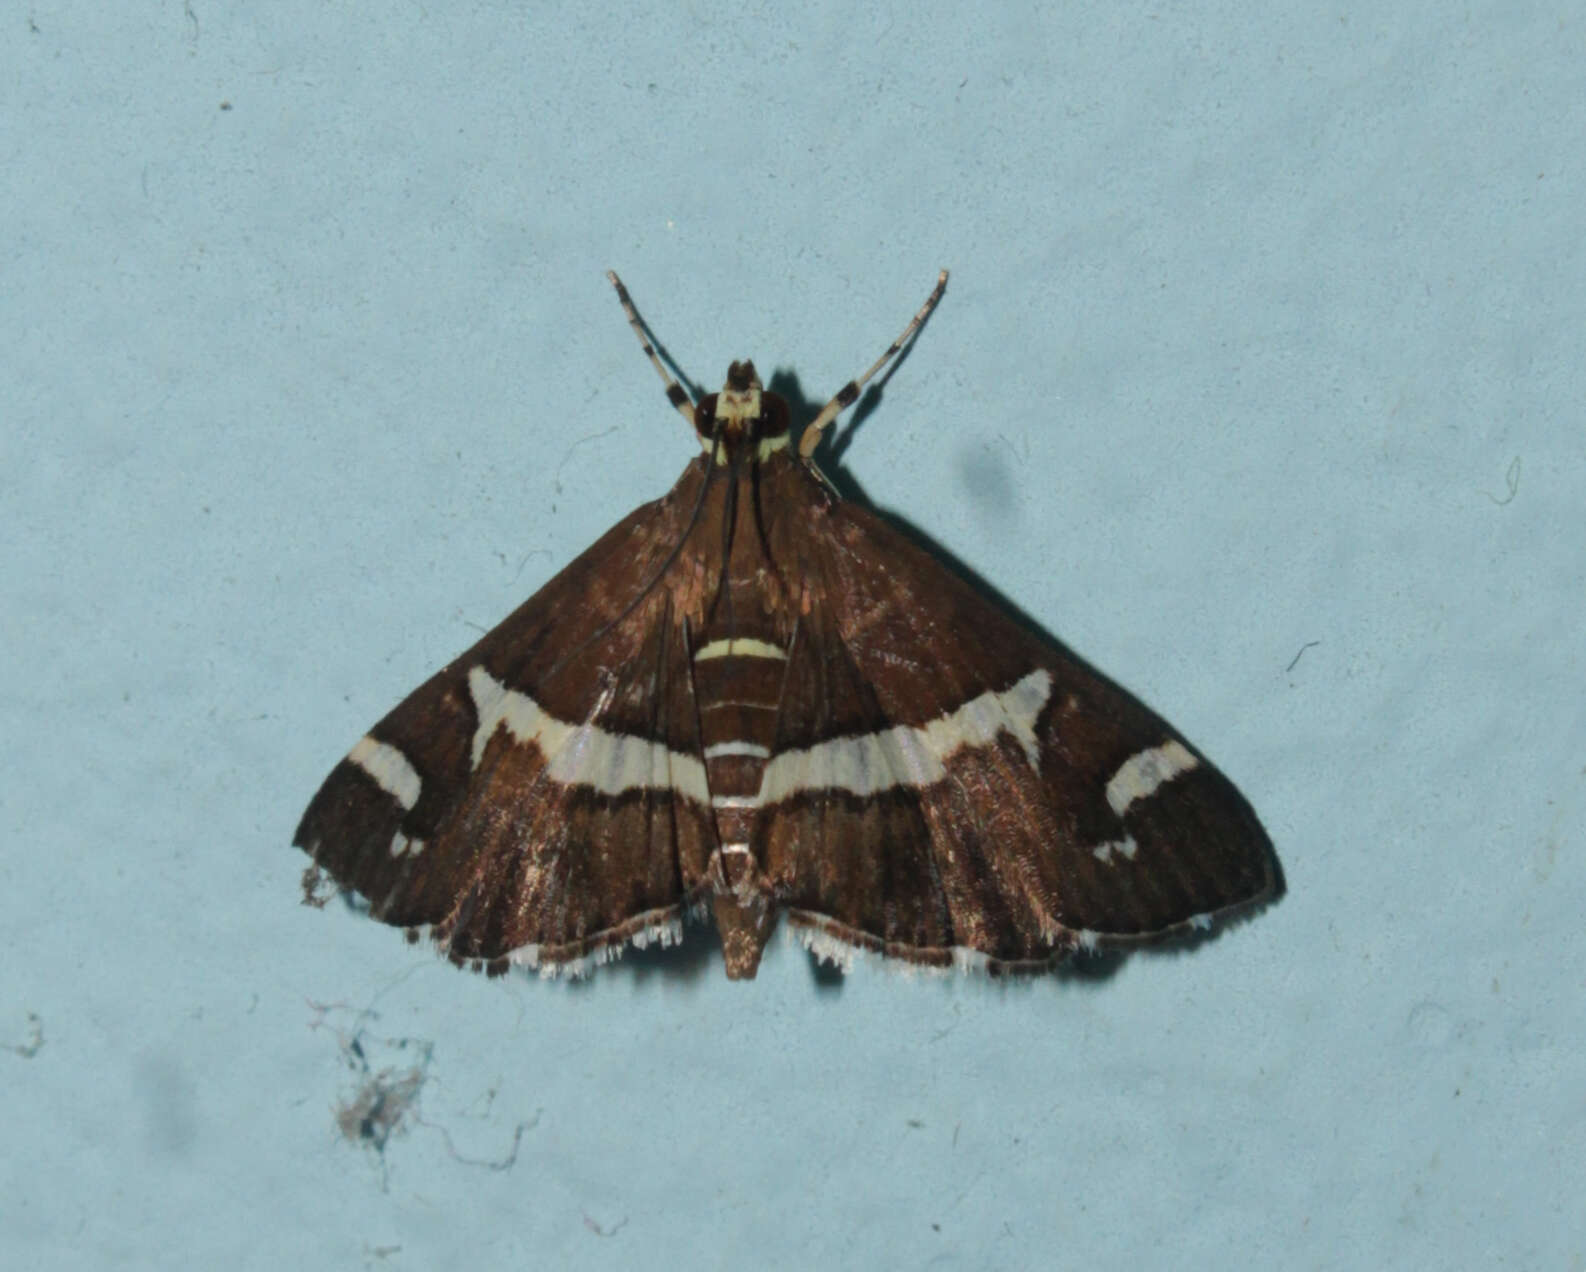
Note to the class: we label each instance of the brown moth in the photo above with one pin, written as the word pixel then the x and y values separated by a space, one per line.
pixel 754 697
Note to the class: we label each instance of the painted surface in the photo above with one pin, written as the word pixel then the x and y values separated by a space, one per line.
pixel 1264 329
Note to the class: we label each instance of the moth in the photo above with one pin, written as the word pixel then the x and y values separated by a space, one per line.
pixel 755 698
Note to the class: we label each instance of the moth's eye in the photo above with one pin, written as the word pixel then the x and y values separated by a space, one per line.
pixel 705 416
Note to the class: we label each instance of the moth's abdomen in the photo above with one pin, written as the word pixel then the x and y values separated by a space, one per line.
pixel 738 685
pixel 738 680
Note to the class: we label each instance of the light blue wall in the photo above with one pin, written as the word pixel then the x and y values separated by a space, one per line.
pixel 1265 333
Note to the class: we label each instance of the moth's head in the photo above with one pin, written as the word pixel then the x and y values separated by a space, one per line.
pixel 742 412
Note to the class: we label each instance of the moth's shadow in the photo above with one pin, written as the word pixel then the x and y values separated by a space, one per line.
pixel 803 409
pixel 699 955
pixel 1092 969
pixel 1082 971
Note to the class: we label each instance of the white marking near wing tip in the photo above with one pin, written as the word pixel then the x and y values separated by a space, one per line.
pixel 969 961
pixel 582 754
pixel 1141 774
pixel 1125 847
pixel 966 960
pixel 1088 940
pixel 1200 922
pixel 664 933
pixel 825 947
pixel 740 647
pixel 580 967
pixel 402 846
pixel 391 770
pixel 909 755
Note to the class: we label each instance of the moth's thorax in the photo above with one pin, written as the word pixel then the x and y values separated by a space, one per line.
pixel 743 418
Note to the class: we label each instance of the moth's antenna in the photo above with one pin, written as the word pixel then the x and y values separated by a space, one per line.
pixel 850 391
pixel 674 391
